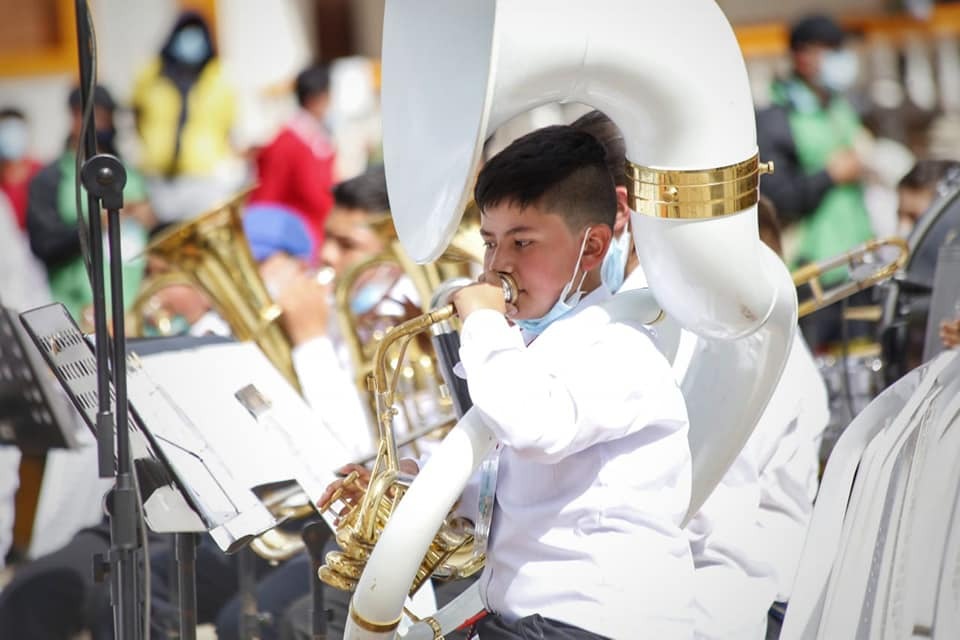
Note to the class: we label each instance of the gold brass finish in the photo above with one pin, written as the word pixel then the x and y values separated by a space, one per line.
pixel 435 627
pixel 276 545
pixel 450 553
pixel 858 257
pixel 707 193
pixel 865 313
pixel 211 253
pixel 420 374
pixel 373 627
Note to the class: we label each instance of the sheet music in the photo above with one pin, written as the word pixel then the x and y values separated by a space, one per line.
pixel 226 404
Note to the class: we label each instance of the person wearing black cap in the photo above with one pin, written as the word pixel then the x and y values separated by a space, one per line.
pixel 52 213
pixel 809 133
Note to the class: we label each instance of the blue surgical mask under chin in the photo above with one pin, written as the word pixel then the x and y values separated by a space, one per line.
pixel 564 304
pixel 612 271
pixel 190 46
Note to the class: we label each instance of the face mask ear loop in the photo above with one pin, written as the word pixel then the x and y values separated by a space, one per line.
pixel 576 268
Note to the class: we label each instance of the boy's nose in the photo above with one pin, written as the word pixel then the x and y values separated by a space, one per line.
pixel 330 255
pixel 499 261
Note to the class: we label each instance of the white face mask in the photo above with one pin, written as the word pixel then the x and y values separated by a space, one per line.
pixel 838 70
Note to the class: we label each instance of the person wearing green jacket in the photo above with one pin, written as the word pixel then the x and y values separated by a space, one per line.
pixel 809 133
pixel 52 217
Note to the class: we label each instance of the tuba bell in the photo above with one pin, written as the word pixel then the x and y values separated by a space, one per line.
pixel 681 97
pixel 211 254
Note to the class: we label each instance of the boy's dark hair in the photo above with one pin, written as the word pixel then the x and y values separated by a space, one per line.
pixel 367 192
pixel 606 132
pixel 926 174
pixel 12 112
pixel 559 168
pixel 312 81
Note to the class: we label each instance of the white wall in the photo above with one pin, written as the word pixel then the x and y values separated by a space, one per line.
pixel 262 45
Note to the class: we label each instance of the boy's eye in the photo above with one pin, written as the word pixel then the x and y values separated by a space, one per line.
pixel 489 244
pixel 520 244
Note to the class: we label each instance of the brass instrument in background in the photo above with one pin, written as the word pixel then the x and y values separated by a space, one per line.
pixel 451 553
pixel 424 398
pixel 211 253
pixel 867 267
pixel 277 545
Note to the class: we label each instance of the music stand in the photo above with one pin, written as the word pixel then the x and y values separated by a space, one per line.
pixel 256 430
pixel 33 414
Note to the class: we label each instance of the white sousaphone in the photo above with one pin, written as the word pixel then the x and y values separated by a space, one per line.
pixel 671 76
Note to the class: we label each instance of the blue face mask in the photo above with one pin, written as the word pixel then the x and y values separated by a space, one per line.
pixel 368 296
pixel 612 272
pixel 838 70
pixel 14 139
pixel 564 304
pixel 190 46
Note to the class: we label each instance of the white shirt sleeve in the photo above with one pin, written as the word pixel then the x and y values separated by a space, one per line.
pixel 547 410
pixel 330 392
pixel 734 586
pixel 788 463
pixel 23 280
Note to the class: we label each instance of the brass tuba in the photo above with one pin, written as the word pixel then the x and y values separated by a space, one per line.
pixel 419 375
pixel 450 555
pixel 451 78
pixel 211 254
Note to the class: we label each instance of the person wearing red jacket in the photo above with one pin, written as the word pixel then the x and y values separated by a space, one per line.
pixel 17 168
pixel 295 170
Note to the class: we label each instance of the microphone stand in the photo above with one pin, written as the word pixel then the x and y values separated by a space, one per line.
pixel 104 177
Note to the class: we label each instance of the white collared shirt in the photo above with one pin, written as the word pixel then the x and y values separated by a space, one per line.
pixel 747 537
pixel 594 474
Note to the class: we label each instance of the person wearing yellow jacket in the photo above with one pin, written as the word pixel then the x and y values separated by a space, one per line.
pixel 185 109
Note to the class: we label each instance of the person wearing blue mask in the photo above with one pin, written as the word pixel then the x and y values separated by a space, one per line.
pixel 594 466
pixel 185 109
pixel 746 539
pixel 52 215
pixel 17 167
pixel 621 261
pixel 809 133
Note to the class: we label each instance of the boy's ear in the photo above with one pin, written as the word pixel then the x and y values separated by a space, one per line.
pixel 596 247
pixel 623 212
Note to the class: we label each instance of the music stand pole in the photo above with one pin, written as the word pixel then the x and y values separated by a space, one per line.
pixel 104 177
pixel 186 580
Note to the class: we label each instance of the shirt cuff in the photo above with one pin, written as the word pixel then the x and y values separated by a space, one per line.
pixel 486 332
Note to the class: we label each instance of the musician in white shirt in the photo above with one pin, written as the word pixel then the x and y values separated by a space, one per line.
pixel 747 539
pixel 594 466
